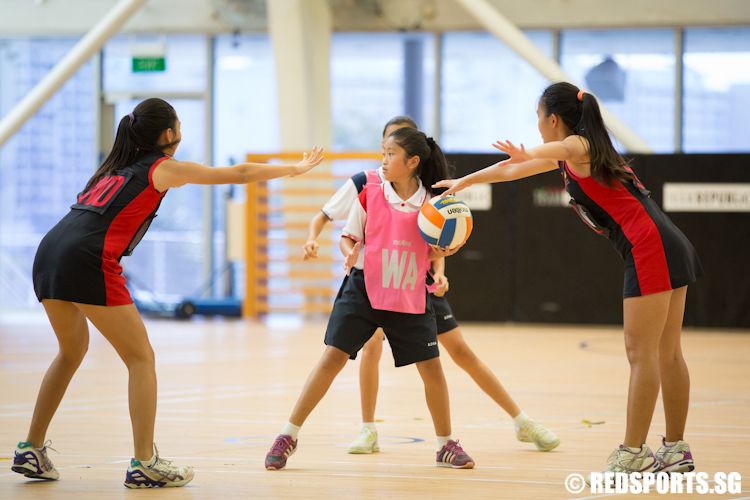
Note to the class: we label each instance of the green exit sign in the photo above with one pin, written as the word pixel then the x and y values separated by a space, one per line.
pixel 148 64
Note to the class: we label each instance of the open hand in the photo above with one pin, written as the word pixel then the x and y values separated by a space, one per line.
pixel 452 185
pixel 308 161
pixel 351 259
pixel 517 155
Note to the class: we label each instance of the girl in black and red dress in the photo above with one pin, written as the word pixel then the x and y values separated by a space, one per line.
pixel 659 260
pixel 77 275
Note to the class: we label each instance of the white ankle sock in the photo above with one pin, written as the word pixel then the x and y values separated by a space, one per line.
pixel 669 444
pixel 149 463
pixel 442 441
pixel 291 430
pixel 369 425
pixel 634 450
pixel 520 419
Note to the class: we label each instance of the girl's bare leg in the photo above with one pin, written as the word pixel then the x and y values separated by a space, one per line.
pixel 72 333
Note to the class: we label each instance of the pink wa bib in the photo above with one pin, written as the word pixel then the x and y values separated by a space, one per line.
pixel 395 256
pixel 372 177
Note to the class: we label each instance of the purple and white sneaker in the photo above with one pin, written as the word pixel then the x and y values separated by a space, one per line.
pixel 282 449
pixel 34 463
pixel 624 460
pixel 452 455
pixel 675 458
pixel 156 473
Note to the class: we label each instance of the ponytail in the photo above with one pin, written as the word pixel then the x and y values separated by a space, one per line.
pixel 137 135
pixel 580 112
pixel 433 166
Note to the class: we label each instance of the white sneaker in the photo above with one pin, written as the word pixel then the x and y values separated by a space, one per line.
pixel 677 458
pixel 161 474
pixel 34 463
pixel 366 442
pixel 533 432
pixel 624 460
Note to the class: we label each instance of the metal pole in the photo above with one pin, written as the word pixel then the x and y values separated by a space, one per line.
pixel 556 39
pixel 413 76
pixel 679 88
pixel 92 42
pixel 97 70
pixel 208 191
pixel 438 84
pixel 500 26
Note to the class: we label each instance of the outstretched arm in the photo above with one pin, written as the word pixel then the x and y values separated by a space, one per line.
pixel 172 173
pixel 499 172
pixel 571 148
pixel 522 163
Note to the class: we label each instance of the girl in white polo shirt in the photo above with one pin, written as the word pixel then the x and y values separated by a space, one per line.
pixel 449 333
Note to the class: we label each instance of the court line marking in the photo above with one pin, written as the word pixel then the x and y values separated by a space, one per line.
pixel 658 432
pixel 689 425
pixel 412 423
pixel 336 474
pixel 244 460
pixel 330 462
pixel 619 412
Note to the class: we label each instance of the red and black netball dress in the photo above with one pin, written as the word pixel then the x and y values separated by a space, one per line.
pixel 79 259
pixel 658 257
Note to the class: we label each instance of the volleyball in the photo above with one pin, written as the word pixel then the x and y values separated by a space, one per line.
pixel 445 222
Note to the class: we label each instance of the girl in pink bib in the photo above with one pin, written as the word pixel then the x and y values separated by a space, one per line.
pixel 388 291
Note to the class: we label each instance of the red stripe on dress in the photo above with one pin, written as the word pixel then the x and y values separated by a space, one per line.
pixel 648 249
pixel 119 234
pixel 363 198
pixel 151 174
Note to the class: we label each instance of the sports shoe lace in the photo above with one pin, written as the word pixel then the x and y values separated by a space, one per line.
pixel 48 444
pixel 616 463
pixel 667 453
pixel 47 462
pixel 534 429
pixel 456 448
pixel 165 467
pixel 366 434
pixel 280 446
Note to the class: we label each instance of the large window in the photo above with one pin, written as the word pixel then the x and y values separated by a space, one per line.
pixel 632 73
pixel 246 116
pixel 246 120
pixel 489 92
pixel 369 73
pixel 716 66
pixel 45 164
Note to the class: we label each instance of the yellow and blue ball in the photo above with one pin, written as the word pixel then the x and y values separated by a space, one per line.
pixel 445 222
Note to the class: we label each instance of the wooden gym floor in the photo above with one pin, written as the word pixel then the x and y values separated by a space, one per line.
pixel 226 388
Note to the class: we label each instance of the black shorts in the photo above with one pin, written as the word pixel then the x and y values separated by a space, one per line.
pixel 443 314
pixel 353 321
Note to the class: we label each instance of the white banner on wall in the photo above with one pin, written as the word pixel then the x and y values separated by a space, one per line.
pixel 477 197
pixel 706 197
